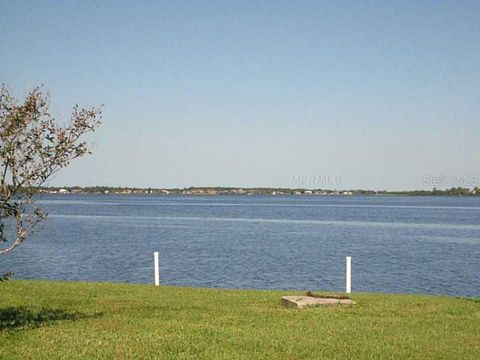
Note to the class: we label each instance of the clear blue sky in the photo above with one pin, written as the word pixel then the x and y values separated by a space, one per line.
pixel 249 93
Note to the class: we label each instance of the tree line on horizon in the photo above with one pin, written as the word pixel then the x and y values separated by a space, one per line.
pixel 456 191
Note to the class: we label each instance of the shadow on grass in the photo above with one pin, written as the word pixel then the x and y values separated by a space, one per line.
pixel 25 318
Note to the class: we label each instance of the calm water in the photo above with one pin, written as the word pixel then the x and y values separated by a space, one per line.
pixel 397 244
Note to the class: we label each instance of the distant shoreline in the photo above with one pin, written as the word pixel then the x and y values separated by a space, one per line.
pixel 213 191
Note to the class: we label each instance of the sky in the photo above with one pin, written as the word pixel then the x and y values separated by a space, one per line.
pixel 374 94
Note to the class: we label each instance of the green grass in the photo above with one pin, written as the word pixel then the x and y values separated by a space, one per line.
pixel 65 320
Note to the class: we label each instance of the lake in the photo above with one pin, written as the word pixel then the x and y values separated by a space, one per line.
pixel 397 244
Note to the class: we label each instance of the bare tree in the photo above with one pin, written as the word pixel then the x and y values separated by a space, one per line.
pixel 33 146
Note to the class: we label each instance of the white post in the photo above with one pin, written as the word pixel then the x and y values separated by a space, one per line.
pixel 349 275
pixel 156 268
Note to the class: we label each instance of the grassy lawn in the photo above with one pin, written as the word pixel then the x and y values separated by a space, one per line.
pixel 65 320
